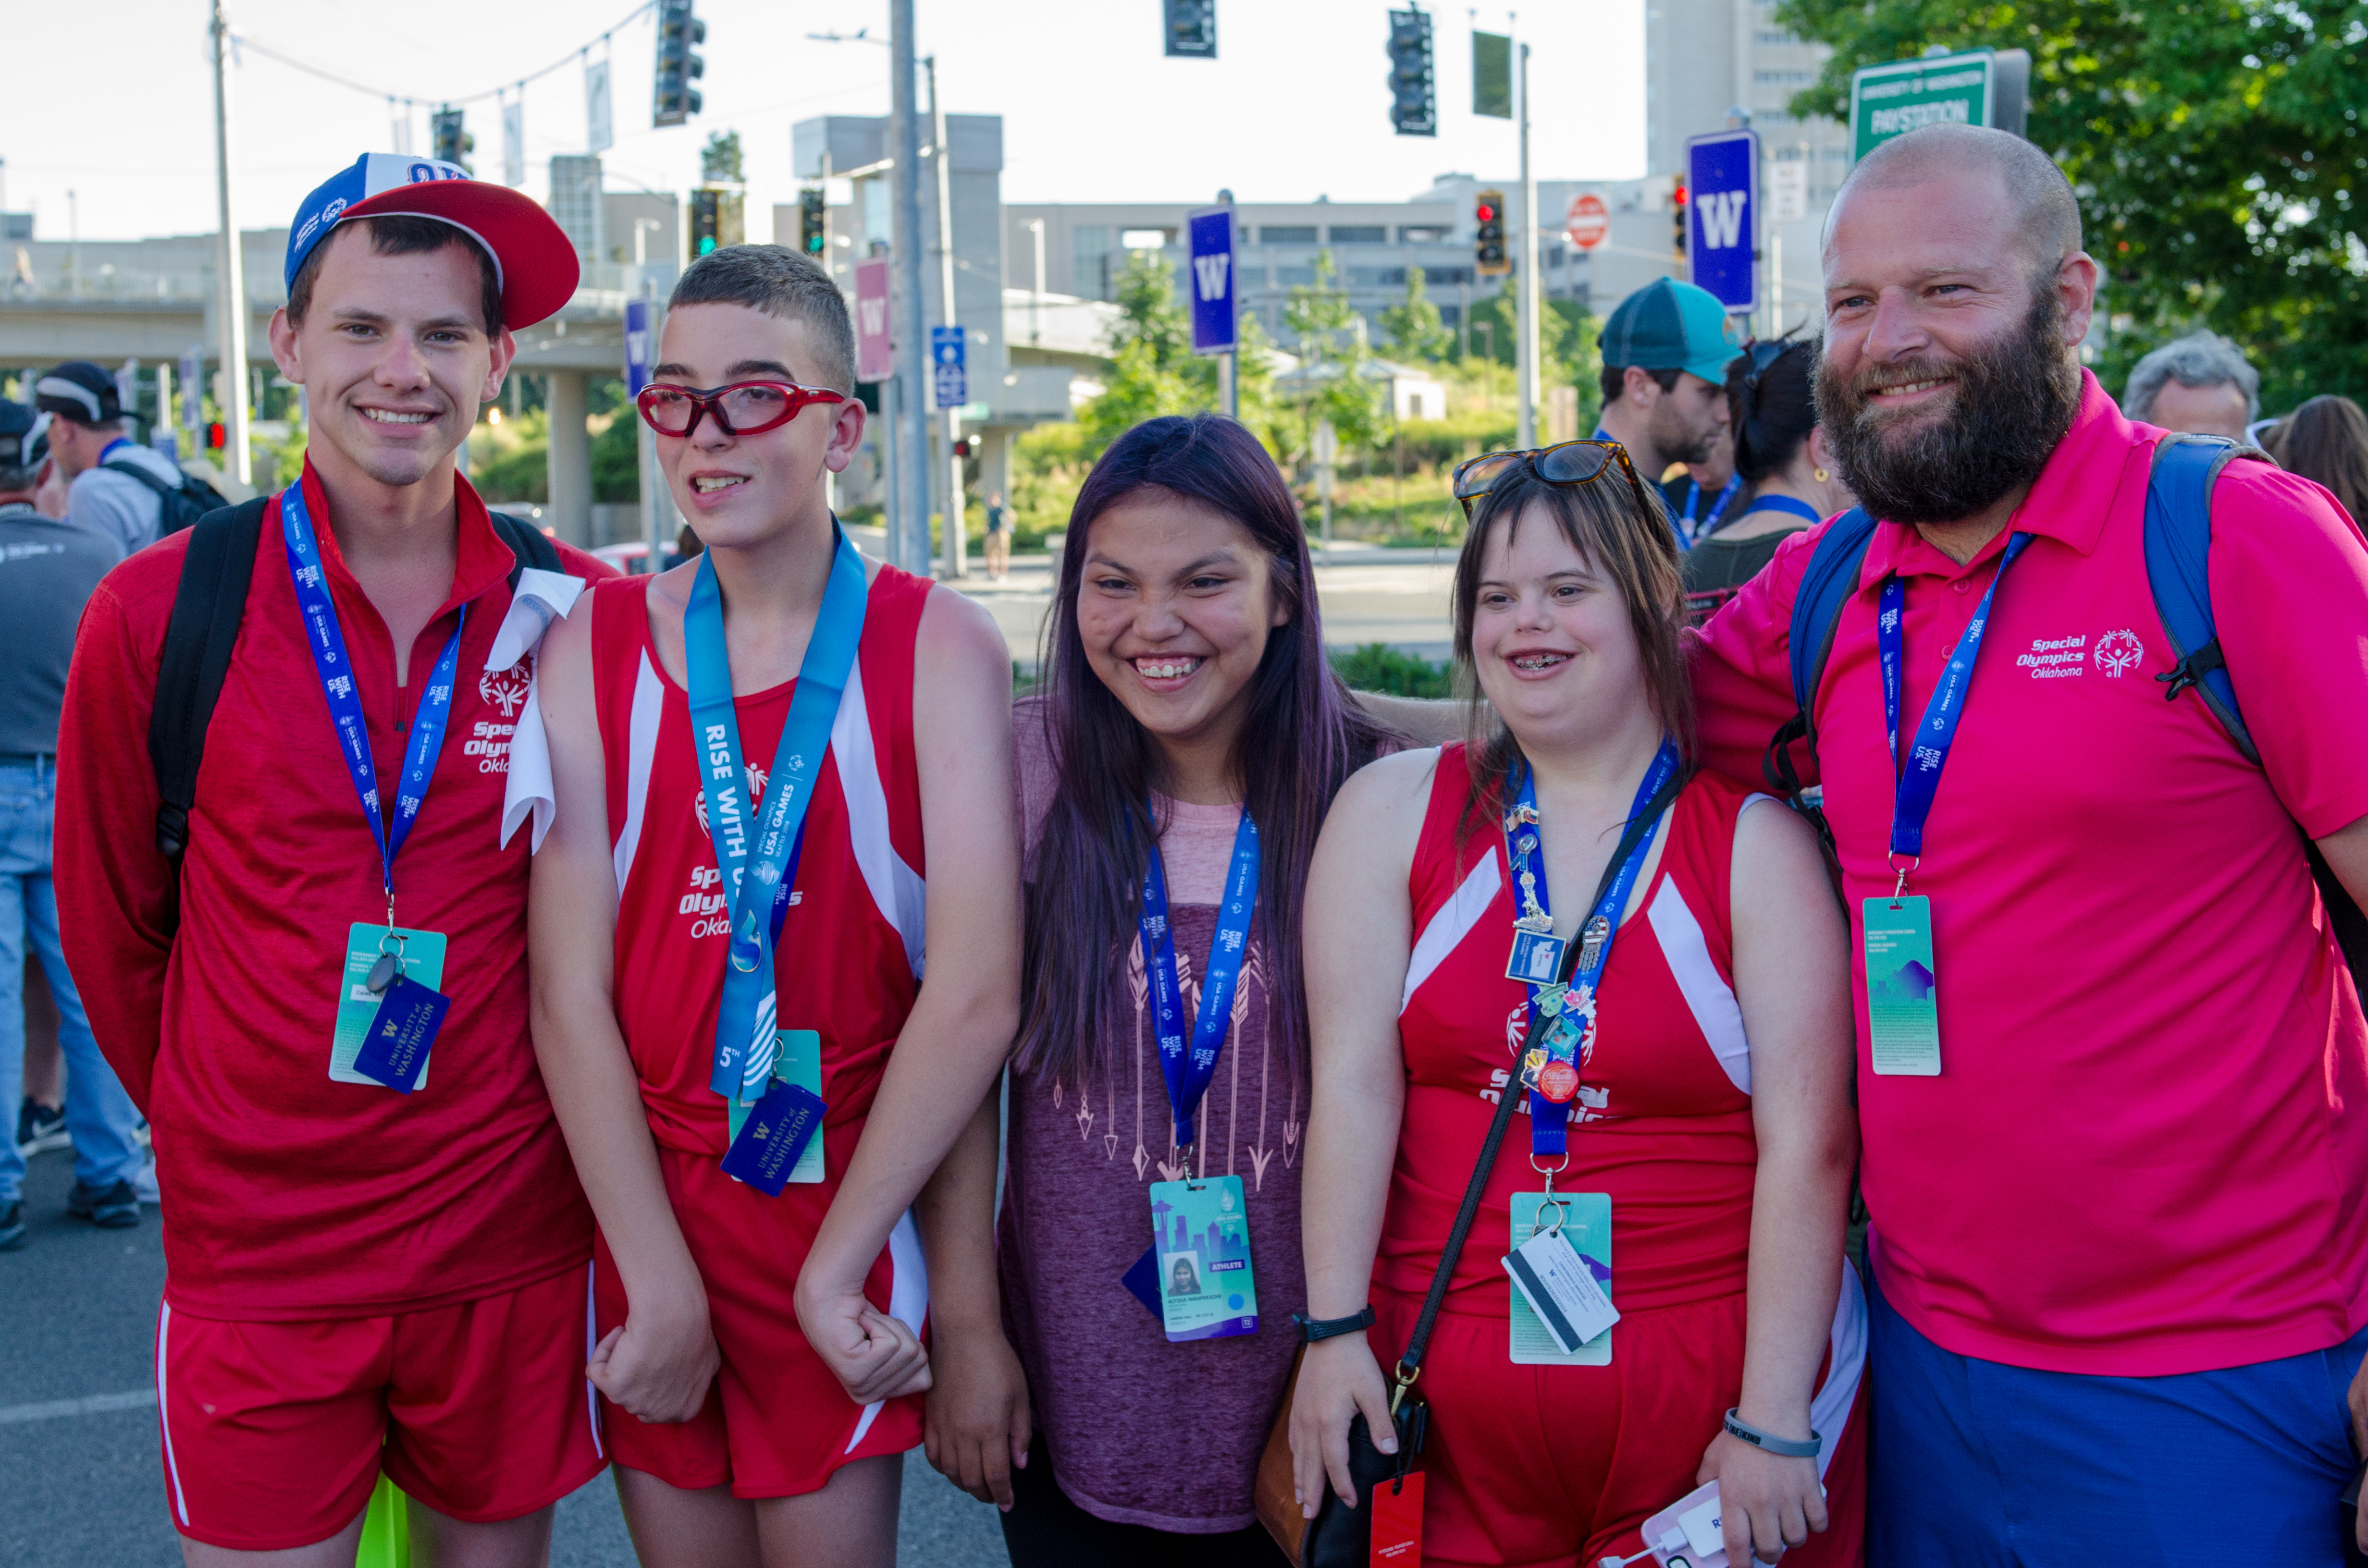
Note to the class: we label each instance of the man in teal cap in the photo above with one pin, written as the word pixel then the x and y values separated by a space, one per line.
pixel 1666 350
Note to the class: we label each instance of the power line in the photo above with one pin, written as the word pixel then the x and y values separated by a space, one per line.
pixel 245 40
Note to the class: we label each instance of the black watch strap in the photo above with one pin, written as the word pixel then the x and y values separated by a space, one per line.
pixel 1313 1329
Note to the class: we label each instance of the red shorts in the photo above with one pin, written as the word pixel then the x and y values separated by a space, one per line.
pixel 1559 1467
pixel 275 1433
pixel 777 1422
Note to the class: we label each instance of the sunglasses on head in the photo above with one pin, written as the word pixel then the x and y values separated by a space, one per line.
pixel 743 408
pixel 1566 462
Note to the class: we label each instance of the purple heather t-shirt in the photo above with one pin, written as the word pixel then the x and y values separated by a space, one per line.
pixel 1143 1432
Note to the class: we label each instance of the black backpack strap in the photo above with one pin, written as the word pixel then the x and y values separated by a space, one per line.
pixel 529 544
pixel 207 609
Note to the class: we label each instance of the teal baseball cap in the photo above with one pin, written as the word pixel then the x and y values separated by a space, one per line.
pixel 1669 325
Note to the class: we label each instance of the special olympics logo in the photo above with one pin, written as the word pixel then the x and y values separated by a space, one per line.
pixel 507 690
pixel 2118 653
pixel 755 794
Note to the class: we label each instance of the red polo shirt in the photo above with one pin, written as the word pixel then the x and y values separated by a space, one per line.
pixel 289 1195
pixel 2146 1150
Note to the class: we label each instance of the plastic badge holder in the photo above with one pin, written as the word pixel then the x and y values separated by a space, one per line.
pixel 1688 1533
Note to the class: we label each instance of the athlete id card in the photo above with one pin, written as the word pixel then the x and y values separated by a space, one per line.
pixel 422 956
pixel 1201 1235
pixel 797 1061
pixel 1586 1228
pixel 1903 1009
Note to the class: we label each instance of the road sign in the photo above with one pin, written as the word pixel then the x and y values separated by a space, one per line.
pixel 1983 87
pixel 1588 222
pixel 1211 261
pixel 1723 201
pixel 875 359
pixel 946 369
pixel 638 346
pixel 1788 190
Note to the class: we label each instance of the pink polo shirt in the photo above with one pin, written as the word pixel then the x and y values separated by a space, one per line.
pixel 2146 1152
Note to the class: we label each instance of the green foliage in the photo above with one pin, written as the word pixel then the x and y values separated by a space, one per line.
pixel 1155 371
pixel 1415 330
pixel 1377 667
pixel 288 459
pixel 720 159
pixel 617 461
pixel 1329 338
pixel 1464 434
pixel 2216 146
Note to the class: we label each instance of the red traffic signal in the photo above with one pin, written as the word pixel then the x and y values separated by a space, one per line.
pixel 216 436
pixel 1486 213
pixel 1677 192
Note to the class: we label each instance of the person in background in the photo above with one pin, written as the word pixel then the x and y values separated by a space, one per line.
pixel 2326 439
pixel 1189 722
pixel 90 436
pixel 998 538
pixel 48 569
pixel 2199 385
pixel 1782 458
pixel 1700 497
pixel 1666 350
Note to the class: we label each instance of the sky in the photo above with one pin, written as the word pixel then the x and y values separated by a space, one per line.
pixel 120 112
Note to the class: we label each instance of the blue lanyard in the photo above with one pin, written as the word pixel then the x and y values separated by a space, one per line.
pixel 109 451
pixel 337 673
pixel 1921 779
pixel 1717 508
pixel 1575 998
pixel 1189 1074
pixel 759 859
pixel 1783 504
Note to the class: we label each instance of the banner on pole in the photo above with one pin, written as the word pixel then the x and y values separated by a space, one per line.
pixel 598 135
pixel 1723 217
pixel 1211 262
pixel 639 347
pixel 514 141
pixel 875 359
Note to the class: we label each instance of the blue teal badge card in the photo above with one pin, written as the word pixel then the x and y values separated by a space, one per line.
pixel 1903 1002
pixel 395 1051
pixel 1201 1233
pixel 422 956
pixel 773 1136
pixel 1587 1226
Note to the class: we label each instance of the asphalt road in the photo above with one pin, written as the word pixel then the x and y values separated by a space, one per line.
pixel 83 1486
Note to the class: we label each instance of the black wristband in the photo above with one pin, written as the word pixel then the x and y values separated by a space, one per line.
pixel 1313 1329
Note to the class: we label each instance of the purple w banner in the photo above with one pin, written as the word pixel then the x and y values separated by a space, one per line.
pixel 1211 280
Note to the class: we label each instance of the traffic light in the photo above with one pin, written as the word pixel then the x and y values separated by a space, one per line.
pixel 1678 214
pixel 676 100
pixel 1192 29
pixel 216 436
pixel 810 221
pixel 1414 108
pixel 966 446
pixel 454 144
pixel 705 209
pixel 1488 255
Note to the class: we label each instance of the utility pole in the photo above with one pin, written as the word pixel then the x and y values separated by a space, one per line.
pixel 956 545
pixel 231 270
pixel 1036 300
pixel 908 537
pixel 1526 359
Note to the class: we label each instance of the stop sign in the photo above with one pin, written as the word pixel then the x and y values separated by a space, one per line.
pixel 1588 221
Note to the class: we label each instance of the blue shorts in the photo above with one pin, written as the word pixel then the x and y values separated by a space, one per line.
pixel 1978 1464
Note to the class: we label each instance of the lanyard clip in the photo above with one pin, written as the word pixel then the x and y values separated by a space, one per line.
pixel 1900 888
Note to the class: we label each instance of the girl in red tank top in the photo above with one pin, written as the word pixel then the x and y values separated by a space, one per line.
pixel 1679 1080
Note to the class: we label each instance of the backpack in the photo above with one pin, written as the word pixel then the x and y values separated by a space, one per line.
pixel 2178 552
pixel 207 609
pixel 183 504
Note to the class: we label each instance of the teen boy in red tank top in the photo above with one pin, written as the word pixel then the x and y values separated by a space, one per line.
pixel 760 1355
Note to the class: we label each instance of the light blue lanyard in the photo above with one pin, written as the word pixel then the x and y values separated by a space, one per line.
pixel 1548 1120
pixel 1920 778
pixel 1189 1073
pixel 328 640
pixel 757 859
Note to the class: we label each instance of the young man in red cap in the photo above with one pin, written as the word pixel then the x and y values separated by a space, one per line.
pixel 377 1251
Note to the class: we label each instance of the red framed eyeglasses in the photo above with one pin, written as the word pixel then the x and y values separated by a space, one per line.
pixel 743 408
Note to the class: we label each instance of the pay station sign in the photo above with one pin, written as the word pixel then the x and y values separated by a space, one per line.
pixel 1981 88
pixel 947 371
pixel 1723 217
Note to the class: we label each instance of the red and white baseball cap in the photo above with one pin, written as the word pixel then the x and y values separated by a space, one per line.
pixel 534 261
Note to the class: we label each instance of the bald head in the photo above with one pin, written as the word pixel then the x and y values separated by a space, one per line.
pixel 2034 190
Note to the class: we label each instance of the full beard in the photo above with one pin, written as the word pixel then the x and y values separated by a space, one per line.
pixel 2013 401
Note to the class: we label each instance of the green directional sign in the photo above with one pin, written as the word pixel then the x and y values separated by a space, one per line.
pixel 1981 88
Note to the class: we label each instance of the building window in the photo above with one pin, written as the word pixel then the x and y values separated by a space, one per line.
pixel 1287 235
pixel 1089 256
pixel 1422 233
pixel 1287 277
pixel 1784 78
pixel 1360 234
pixel 1437 275
pixel 1776 38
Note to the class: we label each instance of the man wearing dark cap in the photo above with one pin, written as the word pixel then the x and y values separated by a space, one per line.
pixel 47 569
pixel 1666 350
pixel 377 1252
pixel 93 446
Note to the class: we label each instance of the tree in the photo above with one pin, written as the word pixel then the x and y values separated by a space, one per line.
pixel 720 159
pixel 1568 352
pixel 1155 371
pixel 1415 330
pixel 2216 148
pixel 1329 338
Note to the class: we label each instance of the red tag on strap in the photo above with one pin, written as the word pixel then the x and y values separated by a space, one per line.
pixel 1397 1523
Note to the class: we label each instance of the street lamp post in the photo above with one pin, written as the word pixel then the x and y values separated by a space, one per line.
pixel 1526 299
pixel 232 271
pixel 956 526
pixel 912 350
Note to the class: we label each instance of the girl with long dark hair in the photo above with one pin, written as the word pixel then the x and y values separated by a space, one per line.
pixel 1174 770
pixel 1790 485
pixel 1617 991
